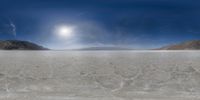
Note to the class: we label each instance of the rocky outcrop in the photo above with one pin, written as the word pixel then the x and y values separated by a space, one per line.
pixel 189 45
pixel 19 45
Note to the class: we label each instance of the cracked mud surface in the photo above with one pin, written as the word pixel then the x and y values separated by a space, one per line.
pixel 99 75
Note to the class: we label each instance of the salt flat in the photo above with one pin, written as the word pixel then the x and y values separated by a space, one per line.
pixel 99 75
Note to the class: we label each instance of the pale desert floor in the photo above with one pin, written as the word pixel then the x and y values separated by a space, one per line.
pixel 99 75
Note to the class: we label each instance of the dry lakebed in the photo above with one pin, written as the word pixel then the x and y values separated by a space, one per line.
pixel 100 75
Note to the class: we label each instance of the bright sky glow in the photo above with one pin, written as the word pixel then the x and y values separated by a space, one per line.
pixel 65 31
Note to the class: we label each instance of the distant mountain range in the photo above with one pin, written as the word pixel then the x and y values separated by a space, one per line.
pixel 19 45
pixel 188 45
pixel 25 45
pixel 105 48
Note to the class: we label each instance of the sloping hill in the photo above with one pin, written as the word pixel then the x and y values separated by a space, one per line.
pixel 188 45
pixel 19 45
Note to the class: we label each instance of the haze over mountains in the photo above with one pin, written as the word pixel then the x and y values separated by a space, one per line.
pixel 25 45
pixel 106 48
pixel 19 45
pixel 188 45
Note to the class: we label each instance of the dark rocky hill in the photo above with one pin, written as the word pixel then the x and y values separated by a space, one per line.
pixel 188 45
pixel 19 45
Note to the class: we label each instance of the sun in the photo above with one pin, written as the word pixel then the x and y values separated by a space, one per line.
pixel 65 31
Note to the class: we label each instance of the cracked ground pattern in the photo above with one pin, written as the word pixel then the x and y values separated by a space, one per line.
pixel 99 75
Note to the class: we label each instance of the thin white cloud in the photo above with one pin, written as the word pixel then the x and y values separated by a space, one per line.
pixel 13 28
pixel 7 27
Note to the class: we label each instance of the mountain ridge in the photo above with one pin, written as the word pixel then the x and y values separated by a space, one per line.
pixel 187 45
pixel 19 45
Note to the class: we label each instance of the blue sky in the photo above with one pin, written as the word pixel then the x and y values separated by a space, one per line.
pixel 127 23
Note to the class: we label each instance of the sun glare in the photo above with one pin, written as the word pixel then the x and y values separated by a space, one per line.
pixel 65 31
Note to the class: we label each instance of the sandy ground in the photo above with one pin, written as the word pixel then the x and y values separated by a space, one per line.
pixel 99 75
